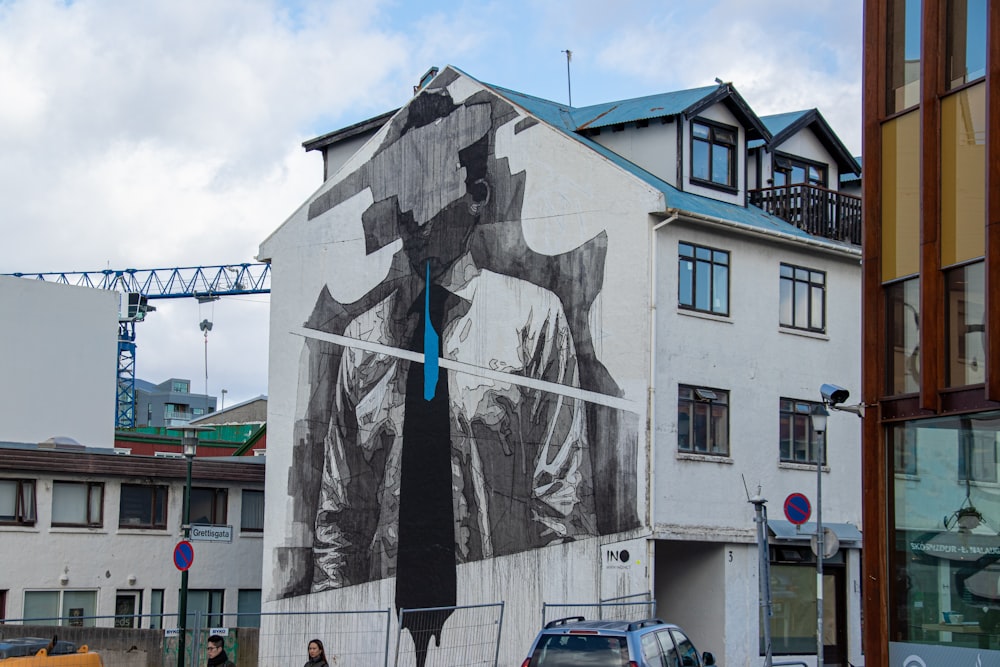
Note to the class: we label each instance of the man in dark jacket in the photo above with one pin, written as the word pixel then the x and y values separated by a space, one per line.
pixel 217 654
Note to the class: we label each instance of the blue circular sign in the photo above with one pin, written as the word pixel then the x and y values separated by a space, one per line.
pixel 183 555
pixel 797 508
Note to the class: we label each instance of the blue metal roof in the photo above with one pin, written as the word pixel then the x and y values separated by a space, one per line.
pixel 639 108
pixel 849 177
pixel 775 123
pixel 561 117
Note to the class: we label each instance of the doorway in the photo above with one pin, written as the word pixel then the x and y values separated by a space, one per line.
pixel 128 607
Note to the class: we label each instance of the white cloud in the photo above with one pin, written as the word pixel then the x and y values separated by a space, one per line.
pixel 168 133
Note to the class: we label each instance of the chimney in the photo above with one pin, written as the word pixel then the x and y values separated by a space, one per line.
pixel 425 79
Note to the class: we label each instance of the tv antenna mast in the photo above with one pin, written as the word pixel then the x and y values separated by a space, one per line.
pixel 569 86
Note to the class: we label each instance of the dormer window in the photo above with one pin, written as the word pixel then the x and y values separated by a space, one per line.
pixel 713 154
pixel 793 171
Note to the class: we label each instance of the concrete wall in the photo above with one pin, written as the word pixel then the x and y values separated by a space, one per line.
pixel 128 647
pixel 654 148
pixel 59 361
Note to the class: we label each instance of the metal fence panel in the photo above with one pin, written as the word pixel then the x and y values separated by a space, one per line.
pixel 350 638
pixel 449 636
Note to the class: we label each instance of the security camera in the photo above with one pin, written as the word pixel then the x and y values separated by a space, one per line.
pixel 833 395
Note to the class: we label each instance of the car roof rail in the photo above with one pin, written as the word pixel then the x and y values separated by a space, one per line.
pixel 563 621
pixel 645 623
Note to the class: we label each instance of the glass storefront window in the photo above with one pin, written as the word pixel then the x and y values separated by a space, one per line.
pixel 903 337
pixel 965 321
pixel 945 549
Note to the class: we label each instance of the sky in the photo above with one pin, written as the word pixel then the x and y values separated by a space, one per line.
pixel 168 133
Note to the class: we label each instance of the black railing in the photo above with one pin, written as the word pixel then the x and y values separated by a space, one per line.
pixel 813 209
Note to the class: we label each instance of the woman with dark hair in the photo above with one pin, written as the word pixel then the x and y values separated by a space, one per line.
pixel 317 655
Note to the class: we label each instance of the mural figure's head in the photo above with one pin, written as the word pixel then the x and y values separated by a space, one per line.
pixel 440 153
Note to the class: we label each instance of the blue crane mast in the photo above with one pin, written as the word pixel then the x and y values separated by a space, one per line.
pixel 136 287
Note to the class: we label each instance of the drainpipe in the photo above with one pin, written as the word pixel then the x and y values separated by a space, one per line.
pixel 652 361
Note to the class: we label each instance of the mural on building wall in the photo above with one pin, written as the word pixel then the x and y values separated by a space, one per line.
pixel 457 411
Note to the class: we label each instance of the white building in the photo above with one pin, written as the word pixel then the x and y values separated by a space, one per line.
pixel 58 358
pixel 625 346
pixel 85 532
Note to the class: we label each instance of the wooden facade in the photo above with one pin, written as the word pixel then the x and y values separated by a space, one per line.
pixel 934 398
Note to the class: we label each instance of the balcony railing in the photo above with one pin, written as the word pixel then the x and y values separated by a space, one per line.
pixel 815 210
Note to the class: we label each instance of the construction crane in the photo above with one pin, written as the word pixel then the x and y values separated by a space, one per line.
pixel 136 287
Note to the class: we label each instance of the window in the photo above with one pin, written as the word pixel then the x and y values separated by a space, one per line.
pixel 652 654
pixel 903 46
pixel 667 645
pixel 802 298
pixel 180 387
pixel 156 609
pixel 713 153
pixel 17 501
pixel 209 506
pixel 702 420
pixel 935 563
pixel 688 653
pixel 977 455
pixel 209 603
pixel 965 53
pixel 248 608
pixel 965 322
pixel 703 280
pixel 252 514
pixel 904 445
pixel 3 605
pixel 903 336
pixel 793 600
pixel 128 609
pixel 143 506
pixel 793 171
pixel 77 504
pixel 74 608
pixel 799 441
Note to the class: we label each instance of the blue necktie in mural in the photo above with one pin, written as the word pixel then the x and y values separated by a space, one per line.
pixel 431 343
pixel 425 557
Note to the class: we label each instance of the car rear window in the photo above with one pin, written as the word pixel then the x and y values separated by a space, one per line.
pixel 582 650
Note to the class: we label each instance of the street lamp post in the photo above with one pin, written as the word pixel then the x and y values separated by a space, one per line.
pixel 818 418
pixel 189 446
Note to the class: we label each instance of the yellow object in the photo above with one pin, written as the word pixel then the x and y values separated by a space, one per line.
pixel 81 658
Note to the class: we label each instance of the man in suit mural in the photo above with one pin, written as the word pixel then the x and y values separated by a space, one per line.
pixel 450 400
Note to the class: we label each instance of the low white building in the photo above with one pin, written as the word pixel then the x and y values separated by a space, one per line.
pixel 609 348
pixel 87 533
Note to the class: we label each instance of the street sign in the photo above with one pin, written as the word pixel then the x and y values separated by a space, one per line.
pixel 797 508
pixel 183 555
pixel 211 533
pixel 831 543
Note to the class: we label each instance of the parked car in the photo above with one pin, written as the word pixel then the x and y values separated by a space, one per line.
pixel 577 642
pixel 39 652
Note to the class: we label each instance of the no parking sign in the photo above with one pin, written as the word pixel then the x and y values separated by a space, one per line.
pixel 797 508
pixel 183 555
